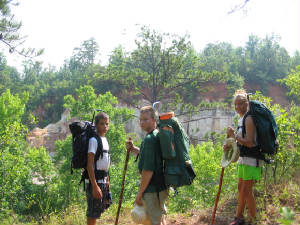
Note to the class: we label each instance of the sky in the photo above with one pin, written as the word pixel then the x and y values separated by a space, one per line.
pixel 59 26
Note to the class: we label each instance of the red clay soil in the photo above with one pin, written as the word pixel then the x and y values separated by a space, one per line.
pixel 278 94
pixel 276 91
pixel 224 216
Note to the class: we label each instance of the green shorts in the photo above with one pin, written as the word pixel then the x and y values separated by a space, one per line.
pixel 246 172
pixel 155 208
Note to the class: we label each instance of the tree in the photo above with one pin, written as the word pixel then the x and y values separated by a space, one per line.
pixel 158 69
pixel 9 76
pixel 10 31
pixel 264 60
pixel 293 81
pixel 82 107
pixel 12 108
pixel 85 55
pixel 87 101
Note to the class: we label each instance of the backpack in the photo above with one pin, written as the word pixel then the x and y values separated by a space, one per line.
pixel 175 144
pixel 266 129
pixel 82 131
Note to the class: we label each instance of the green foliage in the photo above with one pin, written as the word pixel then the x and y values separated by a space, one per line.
pixel 10 35
pixel 292 81
pixel 161 67
pixel 287 216
pixel 83 108
pixel 265 59
pixel 207 165
pixel 12 108
pixel 288 154
pixel 25 173
pixel 85 55
pixel 69 191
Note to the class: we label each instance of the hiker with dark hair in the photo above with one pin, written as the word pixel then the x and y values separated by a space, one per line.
pixel 249 168
pixel 151 194
pixel 97 190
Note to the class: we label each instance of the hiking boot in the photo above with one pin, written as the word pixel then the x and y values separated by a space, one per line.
pixel 238 221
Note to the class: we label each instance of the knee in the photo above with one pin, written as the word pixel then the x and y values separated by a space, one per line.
pixel 240 187
pixel 246 190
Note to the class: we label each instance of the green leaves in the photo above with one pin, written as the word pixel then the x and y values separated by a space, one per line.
pixel 12 108
pixel 287 216
pixel 288 122
pixel 83 108
pixel 293 82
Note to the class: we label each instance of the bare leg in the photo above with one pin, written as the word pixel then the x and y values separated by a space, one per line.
pixel 250 200
pixel 91 221
pixel 163 220
pixel 241 199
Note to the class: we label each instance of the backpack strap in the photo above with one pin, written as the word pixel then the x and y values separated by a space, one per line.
pixel 253 152
pixel 99 152
pixel 157 179
pixel 243 124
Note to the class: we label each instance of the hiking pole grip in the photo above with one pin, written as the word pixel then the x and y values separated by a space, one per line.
pixel 218 196
pixel 122 187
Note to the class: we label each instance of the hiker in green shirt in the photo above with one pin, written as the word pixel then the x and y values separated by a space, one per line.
pixel 152 192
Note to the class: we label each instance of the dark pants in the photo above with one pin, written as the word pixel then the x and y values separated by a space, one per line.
pixel 96 206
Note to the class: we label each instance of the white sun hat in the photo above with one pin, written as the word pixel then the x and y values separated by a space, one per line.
pixel 139 215
pixel 232 154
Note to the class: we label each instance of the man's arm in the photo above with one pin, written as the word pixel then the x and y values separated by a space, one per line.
pixel 130 147
pixel 97 193
pixel 145 180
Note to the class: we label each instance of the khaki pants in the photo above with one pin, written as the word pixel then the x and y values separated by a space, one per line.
pixel 155 207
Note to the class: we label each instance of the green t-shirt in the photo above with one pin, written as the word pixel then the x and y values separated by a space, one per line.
pixel 150 159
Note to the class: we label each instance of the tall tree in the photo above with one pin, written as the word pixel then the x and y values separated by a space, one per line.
pixel 159 67
pixel 265 60
pixel 85 55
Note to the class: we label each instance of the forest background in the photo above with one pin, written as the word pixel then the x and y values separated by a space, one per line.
pixel 164 67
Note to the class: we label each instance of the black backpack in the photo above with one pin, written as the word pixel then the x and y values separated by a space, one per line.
pixel 267 132
pixel 82 131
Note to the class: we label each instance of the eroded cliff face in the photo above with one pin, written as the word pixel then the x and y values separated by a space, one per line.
pixel 196 126
pixel 48 135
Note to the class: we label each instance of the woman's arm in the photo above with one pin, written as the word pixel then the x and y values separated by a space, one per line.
pixel 248 140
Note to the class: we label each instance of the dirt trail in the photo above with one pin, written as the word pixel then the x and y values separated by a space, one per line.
pixel 224 216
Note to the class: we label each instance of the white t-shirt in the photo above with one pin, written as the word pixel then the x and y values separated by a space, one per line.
pixel 247 160
pixel 101 163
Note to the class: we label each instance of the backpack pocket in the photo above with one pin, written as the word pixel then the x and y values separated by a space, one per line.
pixel 172 176
pixel 166 137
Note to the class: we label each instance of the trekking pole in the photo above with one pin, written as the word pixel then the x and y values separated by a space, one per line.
pixel 122 188
pixel 218 196
pixel 96 110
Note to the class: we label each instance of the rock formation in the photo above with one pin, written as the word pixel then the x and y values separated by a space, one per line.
pixel 197 126
pixel 47 136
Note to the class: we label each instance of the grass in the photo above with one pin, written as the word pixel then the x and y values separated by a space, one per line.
pixel 269 205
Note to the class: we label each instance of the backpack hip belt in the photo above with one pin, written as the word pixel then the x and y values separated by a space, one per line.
pixel 254 152
pixel 99 175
